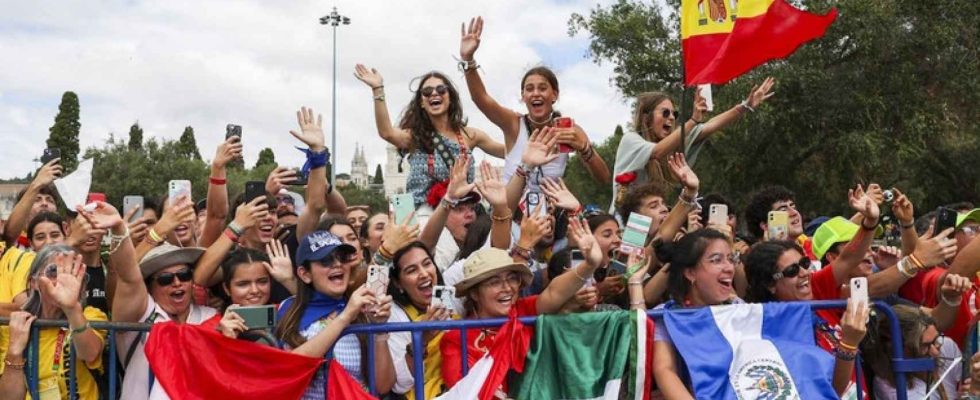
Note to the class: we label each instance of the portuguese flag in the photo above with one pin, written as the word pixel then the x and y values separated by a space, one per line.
pixel 723 39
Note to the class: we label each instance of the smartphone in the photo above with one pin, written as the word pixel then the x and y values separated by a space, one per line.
pixel 377 280
pixel 778 225
pixel 859 290
pixel 254 189
pixel 133 202
pixel 177 189
pixel 532 199
pixel 945 218
pixel 257 317
pixel 93 197
pixel 301 180
pixel 233 130
pixel 635 233
pixel 401 205
pixel 718 214
pixel 564 122
pixel 50 154
pixel 442 296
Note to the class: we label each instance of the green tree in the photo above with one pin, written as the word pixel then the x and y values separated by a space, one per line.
pixel 378 176
pixel 64 133
pixel 266 157
pixel 135 137
pixel 187 145
pixel 888 95
pixel 579 181
pixel 119 171
pixel 357 196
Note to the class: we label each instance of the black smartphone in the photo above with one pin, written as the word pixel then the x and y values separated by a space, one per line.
pixel 233 130
pixel 50 154
pixel 300 180
pixel 254 189
pixel 945 218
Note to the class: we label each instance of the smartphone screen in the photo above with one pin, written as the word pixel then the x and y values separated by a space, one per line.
pixel 254 189
pixel 442 296
pixel 257 317
pixel 532 200
pixel 564 122
pixel 778 225
pixel 718 214
pixel 177 189
pixel 133 202
pixel 401 206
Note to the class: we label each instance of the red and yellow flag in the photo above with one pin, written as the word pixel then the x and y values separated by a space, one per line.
pixel 723 39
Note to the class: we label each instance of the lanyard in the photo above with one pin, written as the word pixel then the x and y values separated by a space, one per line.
pixel 59 351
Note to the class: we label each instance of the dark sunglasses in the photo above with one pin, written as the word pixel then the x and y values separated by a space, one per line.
pixel 166 278
pixel 286 200
pixel 338 258
pixel 441 89
pixel 666 113
pixel 793 270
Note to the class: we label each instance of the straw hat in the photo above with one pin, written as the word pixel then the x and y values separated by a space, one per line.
pixel 166 255
pixel 484 264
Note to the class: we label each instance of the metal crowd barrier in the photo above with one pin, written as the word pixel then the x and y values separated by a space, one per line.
pixel 900 365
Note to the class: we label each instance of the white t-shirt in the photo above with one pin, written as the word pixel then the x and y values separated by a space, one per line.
pixel 136 382
pixel 948 352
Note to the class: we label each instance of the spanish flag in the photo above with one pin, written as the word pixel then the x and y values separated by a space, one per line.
pixel 723 39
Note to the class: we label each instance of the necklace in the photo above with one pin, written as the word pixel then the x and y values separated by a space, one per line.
pixel 541 123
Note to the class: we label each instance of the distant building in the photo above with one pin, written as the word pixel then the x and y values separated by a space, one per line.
pixel 394 179
pixel 8 197
pixel 359 174
pixel 343 180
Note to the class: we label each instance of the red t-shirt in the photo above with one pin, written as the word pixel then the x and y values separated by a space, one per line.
pixel 452 355
pixel 923 287
pixel 968 308
pixel 828 332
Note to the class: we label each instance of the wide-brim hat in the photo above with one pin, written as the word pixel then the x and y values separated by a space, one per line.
pixel 484 264
pixel 166 255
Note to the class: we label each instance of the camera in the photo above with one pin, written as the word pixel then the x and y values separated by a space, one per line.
pixel 888 195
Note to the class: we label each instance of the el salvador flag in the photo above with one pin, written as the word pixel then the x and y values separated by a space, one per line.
pixel 752 351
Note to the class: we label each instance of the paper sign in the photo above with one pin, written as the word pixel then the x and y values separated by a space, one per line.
pixel 73 188
pixel 706 94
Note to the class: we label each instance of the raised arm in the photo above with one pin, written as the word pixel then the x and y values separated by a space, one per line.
pixel 487 144
pixel 579 140
pixel 20 215
pixel 492 188
pixel 317 158
pixel 64 291
pixel 206 272
pixel 685 202
pixel 13 384
pixel 930 251
pixel 854 251
pixel 131 295
pixel 905 214
pixel 540 150
pixel 564 286
pixel 181 212
pixel 401 138
pixel 217 210
pixel 757 96
pixel 508 120
pixel 853 328
pixel 457 189
pixel 951 297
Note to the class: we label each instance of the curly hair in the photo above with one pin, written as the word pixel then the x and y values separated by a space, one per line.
pixel 761 203
pixel 760 265
pixel 635 196
pixel 416 119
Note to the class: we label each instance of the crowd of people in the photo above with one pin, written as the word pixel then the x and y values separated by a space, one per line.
pixel 515 241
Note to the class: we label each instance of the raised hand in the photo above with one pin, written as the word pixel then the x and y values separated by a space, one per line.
pixel 311 131
pixel 559 195
pixel 534 226
pixel 64 288
pixel 876 193
pixel 280 266
pixel 20 330
pixel 854 323
pixel 381 312
pixel 761 93
pixel 491 187
pixel 470 38
pixel 458 185
pixel 862 203
pixel 700 107
pixel 180 212
pixel 683 172
pixel 887 256
pixel 81 230
pixel 249 214
pixel 104 216
pixel 903 208
pixel 228 151
pixel 397 236
pixel 954 286
pixel 582 236
pixel 936 249
pixel 231 324
pixel 371 77
pixel 278 178
pixel 541 147
pixel 48 173
pixel 694 221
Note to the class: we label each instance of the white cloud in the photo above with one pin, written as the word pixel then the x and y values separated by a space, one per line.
pixel 205 64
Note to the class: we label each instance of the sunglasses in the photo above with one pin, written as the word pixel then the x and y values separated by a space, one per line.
pixel 793 270
pixel 666 113
pixel 338 258
pixel 441 90
pixel 166 278
pixel 286 200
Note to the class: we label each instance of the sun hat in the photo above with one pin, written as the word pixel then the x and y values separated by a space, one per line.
pixel 483 264
pixel 319 245
pixel 166 255
pixel 833 231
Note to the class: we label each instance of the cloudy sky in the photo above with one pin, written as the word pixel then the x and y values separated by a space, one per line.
pixel 169 64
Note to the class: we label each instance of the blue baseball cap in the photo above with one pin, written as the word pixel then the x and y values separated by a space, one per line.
pixel 811 228
pixel 319 245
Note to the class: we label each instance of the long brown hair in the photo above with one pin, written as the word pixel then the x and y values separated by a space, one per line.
pixel 645 104
pixel 543 72
pixel 415 119
pixel 913 323
pixel 288 328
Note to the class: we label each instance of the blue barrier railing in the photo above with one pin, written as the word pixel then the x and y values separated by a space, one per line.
pixel 901 366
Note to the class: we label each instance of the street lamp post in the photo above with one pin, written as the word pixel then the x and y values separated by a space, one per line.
pixel 334 19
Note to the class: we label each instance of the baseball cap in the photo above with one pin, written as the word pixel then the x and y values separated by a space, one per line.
pixel 973 215
pixel 811 228
pixel 319 245
pixel 833 231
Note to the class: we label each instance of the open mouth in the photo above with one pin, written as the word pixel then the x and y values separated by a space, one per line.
pixel 178 296
pixel 266 230
pixel 506 301
pixel 537 104
pixel 435 102
pixel 336 277
pixel 182 230
pixel 667 127
pixel 425 288
pixel 726 282
pixel 803 284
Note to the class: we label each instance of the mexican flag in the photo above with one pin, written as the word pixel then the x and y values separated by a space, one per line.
pixel 593 355
pixel 486 376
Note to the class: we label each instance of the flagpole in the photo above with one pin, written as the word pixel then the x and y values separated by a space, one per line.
pixel 680 113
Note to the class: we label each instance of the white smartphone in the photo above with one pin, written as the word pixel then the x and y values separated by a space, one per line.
pixel 377 280
pixel 708 98
pixel 532 199
pixel 178 188
pixel 859 290
pixel 133 202
pixel 442 296
pixel 718 214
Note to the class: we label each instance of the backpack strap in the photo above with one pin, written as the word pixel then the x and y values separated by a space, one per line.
pixel 139 338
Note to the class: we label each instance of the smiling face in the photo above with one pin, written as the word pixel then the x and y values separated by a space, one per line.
pixel 175 297
pixel 660 126
pixel 494 296
pixel 329 276
pixel 250 285
pixel 539 96
pixel 46 233
pixel 795 219
pixel 375 230
pixel 416 277
pixel 435 103
pixel 459 220
pixel 713 276
pixel 796 288
pixel 356 218
pixel 608 238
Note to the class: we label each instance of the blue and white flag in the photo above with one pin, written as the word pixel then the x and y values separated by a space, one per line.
pixel 752 351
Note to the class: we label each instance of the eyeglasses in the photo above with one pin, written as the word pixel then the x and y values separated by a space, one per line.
pixel 970 230
pixel 793 270
pixel 441 90
pixel 513 280
pixel 167 278
pixel 286 200
pixel 938 341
